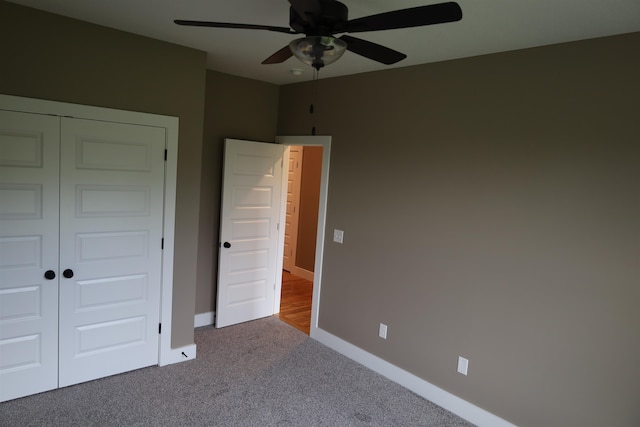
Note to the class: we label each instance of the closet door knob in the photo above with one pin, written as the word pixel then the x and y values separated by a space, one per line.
pixel 68 273
pixel 49 274
pixel 226 245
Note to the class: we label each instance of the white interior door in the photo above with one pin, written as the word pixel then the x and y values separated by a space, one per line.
pixel 111 213
pixel 29 147
pixel 248 257
pixel 294 177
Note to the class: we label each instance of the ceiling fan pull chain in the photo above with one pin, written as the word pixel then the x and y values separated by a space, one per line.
pixel 314 97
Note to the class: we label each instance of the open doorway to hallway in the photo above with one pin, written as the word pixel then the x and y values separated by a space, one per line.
pixel 303 191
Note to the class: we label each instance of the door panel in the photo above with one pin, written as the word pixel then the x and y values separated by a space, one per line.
pixel 111 206
pixel 294 176
pixel 249 227
pixel 29 151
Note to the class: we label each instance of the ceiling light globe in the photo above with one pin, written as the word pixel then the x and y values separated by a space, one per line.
pixel 318 51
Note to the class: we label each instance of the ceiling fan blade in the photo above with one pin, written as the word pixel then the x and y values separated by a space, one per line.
pixel 237 26
pixel 372 50
pixel 280 56
pixel 406 18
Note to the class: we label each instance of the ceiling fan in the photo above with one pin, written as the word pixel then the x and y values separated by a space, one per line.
pixel 321 20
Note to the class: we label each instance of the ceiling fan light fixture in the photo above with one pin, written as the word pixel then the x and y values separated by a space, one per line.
pixel 318 51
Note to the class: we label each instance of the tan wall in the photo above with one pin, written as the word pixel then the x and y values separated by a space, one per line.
pixel 237 108
pixel 491 209
pixel 309 203
pixel 50 57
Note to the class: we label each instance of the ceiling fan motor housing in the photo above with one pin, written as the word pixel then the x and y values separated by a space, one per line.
pixel 329 18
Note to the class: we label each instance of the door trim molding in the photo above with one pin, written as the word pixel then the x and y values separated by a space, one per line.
pixel 166 354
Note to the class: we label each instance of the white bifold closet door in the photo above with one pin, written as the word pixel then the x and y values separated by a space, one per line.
pixel 81 212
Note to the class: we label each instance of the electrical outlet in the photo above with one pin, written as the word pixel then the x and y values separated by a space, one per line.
pixel 338 236
pixel 382 332
pixel 463 365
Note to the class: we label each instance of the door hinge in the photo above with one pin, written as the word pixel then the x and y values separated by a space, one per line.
pixel 165 155
pixel 162 243
pixel 159 328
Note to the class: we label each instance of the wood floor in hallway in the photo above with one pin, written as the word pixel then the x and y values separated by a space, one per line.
pixel 295 303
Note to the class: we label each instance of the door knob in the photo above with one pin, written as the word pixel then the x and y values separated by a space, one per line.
pixel 227 245
pixel 49 274
pixel 68 273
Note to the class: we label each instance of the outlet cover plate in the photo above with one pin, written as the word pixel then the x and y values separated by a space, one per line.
pixel 463 365
pixel 382 332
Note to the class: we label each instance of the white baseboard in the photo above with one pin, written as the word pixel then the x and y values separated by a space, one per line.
pixel 204 319
pixel 443 398
pixel 301 272
pixel 177 355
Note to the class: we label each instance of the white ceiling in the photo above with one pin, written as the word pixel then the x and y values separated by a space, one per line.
pixel 487 26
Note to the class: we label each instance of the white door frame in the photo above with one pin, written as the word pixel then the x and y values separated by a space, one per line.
pixel 166 354
pixel 325 143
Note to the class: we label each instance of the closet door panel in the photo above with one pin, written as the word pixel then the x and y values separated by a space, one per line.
pixel 29 155
pixel 111 205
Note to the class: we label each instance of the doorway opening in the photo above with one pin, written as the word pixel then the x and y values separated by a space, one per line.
pixel 301 225
pixel 303 237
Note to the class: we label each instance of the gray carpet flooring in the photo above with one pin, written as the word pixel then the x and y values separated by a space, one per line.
pixel 260 373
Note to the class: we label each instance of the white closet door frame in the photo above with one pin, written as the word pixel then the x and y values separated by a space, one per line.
pixel 166 354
